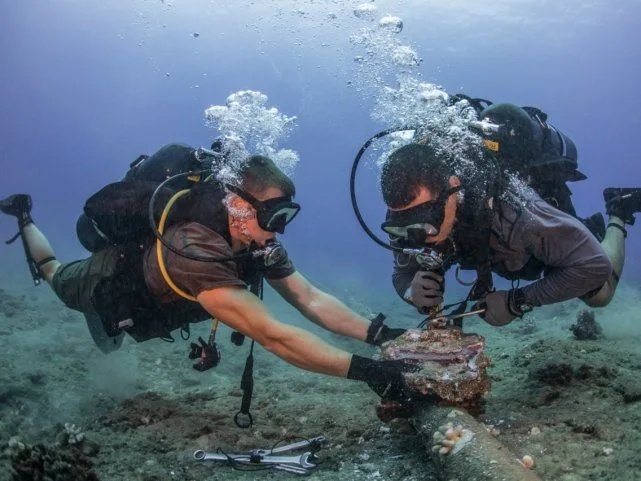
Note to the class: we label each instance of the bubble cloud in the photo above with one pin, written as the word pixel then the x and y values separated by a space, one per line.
pixel 259 129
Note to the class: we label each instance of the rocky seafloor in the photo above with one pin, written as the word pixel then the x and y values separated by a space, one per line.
pixel 70 413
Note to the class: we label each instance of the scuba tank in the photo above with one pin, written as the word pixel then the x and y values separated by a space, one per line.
pixel 118 213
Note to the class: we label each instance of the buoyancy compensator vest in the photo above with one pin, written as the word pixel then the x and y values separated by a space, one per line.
pixel 521 142
pixel 117 216
pixel 123 300
pixel 524 143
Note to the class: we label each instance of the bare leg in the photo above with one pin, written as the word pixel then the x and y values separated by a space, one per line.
pixel 43 264
pixel 40 257
pixel 40 250
pixel 621 204
pixel 614 246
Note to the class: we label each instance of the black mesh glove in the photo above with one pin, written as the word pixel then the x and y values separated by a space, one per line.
pixel 427 290
pixel 385 378
pixel 378 333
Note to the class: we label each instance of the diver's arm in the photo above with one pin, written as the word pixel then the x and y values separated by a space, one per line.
pixel 244 312
pixel 575 261
pixel 320 307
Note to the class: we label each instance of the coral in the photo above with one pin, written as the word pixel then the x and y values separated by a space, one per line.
pixel 526 461
pixel 586 326
pixel 451 365
pixel 450 439
pixel 71 435
pixel 39 462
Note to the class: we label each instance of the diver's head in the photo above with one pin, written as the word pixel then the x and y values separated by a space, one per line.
pixel 260 202
pixel 418 187
pixel 511 134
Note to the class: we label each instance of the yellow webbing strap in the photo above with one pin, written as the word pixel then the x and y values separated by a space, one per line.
pixel 161 261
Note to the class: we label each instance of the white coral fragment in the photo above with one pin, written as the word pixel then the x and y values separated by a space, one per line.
pixel 74 434
pixel 450 439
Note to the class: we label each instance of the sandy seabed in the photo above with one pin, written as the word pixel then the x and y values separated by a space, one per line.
pixel 573 406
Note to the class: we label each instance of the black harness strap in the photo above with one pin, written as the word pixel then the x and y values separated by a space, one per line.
pixel 247 386
pixel 247 381
pixel 484 283
pixel 473 242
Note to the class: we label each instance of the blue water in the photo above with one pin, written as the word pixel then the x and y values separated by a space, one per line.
pixel 86 86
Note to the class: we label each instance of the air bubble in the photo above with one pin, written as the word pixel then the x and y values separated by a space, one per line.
pixel 365 11
pixel 391 23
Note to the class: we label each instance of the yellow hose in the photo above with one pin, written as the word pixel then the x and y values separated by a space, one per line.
pixel 161 261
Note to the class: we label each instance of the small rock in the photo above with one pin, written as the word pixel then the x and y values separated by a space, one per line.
pixel 586 327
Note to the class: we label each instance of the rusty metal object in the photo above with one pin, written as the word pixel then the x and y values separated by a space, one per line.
pixel 452 372
pixel 452 365
pixel 387 410
pixel 476 454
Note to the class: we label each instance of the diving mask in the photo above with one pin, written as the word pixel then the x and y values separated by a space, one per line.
pixel 415 225
pixel 272 214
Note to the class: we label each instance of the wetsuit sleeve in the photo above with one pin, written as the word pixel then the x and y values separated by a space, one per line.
pixel 192 276
pixel 281 269
pixel 575 261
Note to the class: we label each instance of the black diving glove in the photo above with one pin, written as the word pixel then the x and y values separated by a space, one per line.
pixel 378 332
pixel 426 290
pixel 207 354
pixel 385 378
pixel 502 307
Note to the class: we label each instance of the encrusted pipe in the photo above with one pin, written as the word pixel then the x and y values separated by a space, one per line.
pixel 462 448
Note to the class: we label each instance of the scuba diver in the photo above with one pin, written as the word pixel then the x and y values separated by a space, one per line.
pixel 512 215
pixel 172 244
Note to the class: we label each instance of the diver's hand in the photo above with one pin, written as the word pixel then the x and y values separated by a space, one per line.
pixel 427 290
pixel 497 308
pixel 378 332
pixel 385 378
pixel 388 334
